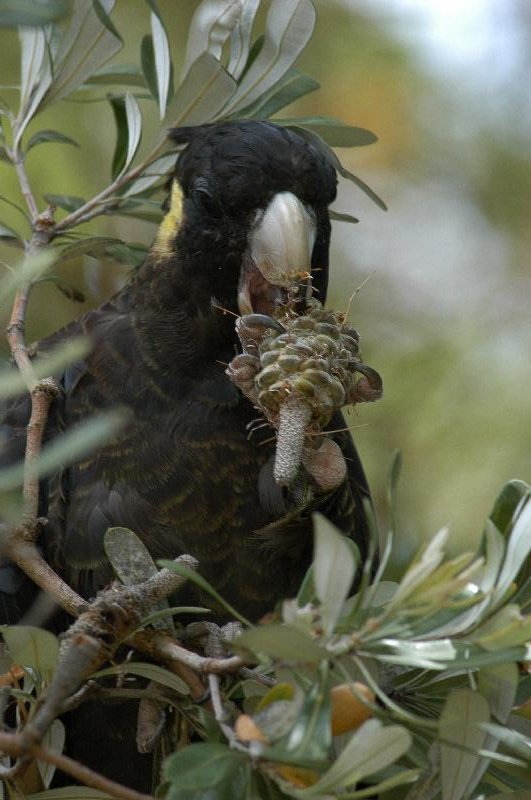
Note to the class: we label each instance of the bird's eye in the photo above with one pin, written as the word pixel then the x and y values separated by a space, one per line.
pixel 204 198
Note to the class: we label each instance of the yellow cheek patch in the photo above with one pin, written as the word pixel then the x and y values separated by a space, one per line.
pixel 171 222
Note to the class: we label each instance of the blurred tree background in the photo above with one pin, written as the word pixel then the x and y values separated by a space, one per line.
pixel 443 316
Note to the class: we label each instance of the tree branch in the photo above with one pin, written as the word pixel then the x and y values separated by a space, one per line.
pixel 163 646
pixel 17 160
pixel 17 746
pixel 20 548
pixel 89 209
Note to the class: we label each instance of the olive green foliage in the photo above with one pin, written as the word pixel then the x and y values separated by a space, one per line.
pixel 445 647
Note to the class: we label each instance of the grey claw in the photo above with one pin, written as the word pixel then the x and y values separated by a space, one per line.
pixel 262 321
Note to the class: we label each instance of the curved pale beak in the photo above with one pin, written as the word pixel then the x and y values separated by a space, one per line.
pixel 280 247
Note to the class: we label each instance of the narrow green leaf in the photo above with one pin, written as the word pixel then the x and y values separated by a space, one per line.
pixel 290 88
pixel 281 642
pixel 31 14
pixel 149 70
pixel 163 64
pixel 134 128
pixel 122 138
pixel 306 593
pixel 334 132
pixel 105 19
pixel 460 723
pixel 334 570
pixel 32 52
pixel 289 26
pixel 423 565
pixel 507 504
pixel 498 685
pixel 493 548
pixel 132 254
pixel 310 738
pixel 203 584
pixel 85 47
pixel 201 95
pixel 132 563
pixel 210 27
pixel 507 628
pixel 45 136
pixel 392 484
pixel 129 556
pixel 152 672
pixel 438 654
pixel 54 740
pixel 90 245
pixel 516 742
pixel 254 52
pixel 32 647
pixel 323 147
pixel 340 216
pixel 148 214
pixel 122 74
pixel 201 766
pixel 172 611
pixel 67 202
pixel 371 749
pixel 240 39
pixel 362 185
pixel 517 550
pixel 67 289
pixel 157 171
pixel 402 777
pixel 36 75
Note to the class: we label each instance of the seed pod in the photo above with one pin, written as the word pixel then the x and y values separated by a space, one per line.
pixel 268 376
pixel 327 465
pixel 289 362
pixel 309 366
pixel 348 711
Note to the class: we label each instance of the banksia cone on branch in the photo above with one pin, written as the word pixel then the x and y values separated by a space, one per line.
pixel 298 371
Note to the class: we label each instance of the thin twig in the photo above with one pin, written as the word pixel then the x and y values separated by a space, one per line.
pixel 21 549
pixel 165 647
pixel 42 396
pixel 17 160
pixel 84 212
pixel 220 713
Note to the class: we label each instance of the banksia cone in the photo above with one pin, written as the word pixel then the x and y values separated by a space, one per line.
pixel 299 370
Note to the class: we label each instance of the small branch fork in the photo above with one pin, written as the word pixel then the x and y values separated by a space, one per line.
pixel 109 621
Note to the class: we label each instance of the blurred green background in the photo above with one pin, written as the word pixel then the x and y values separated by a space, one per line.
pixel 444 314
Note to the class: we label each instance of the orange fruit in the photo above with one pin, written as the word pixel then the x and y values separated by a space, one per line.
pixel 348 711
pixel 298 776
pixel 247 730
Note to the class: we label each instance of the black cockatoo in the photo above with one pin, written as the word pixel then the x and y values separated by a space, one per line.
pixel 185 473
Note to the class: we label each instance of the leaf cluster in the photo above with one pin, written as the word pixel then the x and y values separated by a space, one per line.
pixel 442 657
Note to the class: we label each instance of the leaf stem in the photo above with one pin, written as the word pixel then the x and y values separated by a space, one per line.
pixel 17 160
pixel 90 208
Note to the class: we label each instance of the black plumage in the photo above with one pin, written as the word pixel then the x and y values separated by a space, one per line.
pixel 183 472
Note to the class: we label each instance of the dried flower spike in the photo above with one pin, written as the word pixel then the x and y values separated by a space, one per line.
pixel 298 371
